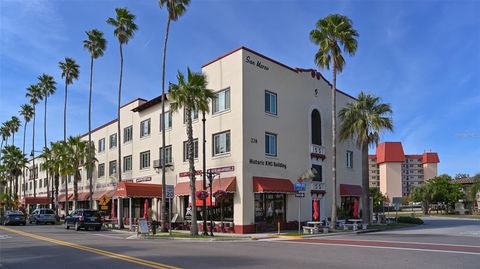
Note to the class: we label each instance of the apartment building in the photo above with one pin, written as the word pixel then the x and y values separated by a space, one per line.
pixel 396 173
pixel 267 126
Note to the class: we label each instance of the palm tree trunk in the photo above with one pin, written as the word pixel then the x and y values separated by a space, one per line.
pixel 164 215
pixel 15 195
pixel 56 193
pixel 90 157
pixel 194 227
pixel 333 223
pixel 45 142
pixel 65 112
pixel 66 195
pixel 75 189
pixel 119 145
pixel 23 152
pixel 365 185
pixel 13 138
pixel 33 153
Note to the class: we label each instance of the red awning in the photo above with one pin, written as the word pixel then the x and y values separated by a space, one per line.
pixel 61 197
pixel 350 190
pixel 133 189
pixel 227 184
pixel 83 196
pixel 266 184
pixel 41 200
pixel 97 195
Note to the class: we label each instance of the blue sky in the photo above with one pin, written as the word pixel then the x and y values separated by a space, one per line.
pixel 423 57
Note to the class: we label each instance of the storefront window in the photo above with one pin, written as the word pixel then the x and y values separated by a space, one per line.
pixel 270 207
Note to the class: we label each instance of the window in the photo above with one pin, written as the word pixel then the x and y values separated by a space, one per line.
pixel 168 154
pixel 318 175
pixel 145 128
pixel 127 134
pixel 127 163
pixel 112 168
pixel 113 140
pixel 40 183
pixel 221 143
pixel 221 102
pixel 101 170
pixel 316 128
pixel 185 150
pixel 167 118
pixel 270 144
pixel 349 159
pixel 194 116
pixel 101 145
pixel 270 103
pixel 45 182
pixel 144 159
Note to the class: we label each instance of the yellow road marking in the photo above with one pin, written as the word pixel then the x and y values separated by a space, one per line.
pixel 114 255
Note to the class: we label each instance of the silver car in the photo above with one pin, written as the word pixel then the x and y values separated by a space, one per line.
pixel 42 215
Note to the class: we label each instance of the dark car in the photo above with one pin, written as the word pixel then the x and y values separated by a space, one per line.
pixel 42 215
pixel 14 218
pixel 84 218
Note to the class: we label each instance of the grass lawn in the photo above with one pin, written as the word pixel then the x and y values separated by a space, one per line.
pixel 476 216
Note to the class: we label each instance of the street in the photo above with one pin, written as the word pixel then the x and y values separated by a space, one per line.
pixel 439 243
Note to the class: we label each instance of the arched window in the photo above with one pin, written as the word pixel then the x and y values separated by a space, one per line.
pixel 316 128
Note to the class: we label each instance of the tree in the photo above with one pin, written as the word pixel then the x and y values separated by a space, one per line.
pixel 48 165
pixel 14 161
pixel 69 72
pixel 191 94
pixel 96 45
pixel 62 156
pixel 26 111
pixel 175 9
pixel 378 198
pixel 34 93
pixel 364 119
pixel 333 34
pixel 125 28
pixel 5 132
pixel 14 124
pixel 77 154
pixel 57 153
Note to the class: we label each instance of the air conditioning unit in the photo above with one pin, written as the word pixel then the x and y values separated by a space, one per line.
pixel 158 165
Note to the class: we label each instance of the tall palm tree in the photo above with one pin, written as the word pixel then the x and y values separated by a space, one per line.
pixel 34 93
pixel 63 165
pixel 96 45
pixel 175 9
pixel 364 119
pixel 5 132
pixel 125 28
pixel 47 165
pixel 26 111
pixel 191 94
pixel 54 166
pixel 334 34
pixel 14 161
pixel 69 72
pixel 14 124
pixel 77 152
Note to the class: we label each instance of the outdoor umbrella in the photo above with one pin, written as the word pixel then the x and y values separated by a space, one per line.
pixel 355 208
pixel 145 209
pixel 113 209
pixel 315 210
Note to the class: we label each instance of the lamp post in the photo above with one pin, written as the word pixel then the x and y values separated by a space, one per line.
pixel 204 180
pixel 210 175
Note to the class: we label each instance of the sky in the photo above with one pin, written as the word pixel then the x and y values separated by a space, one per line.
pixel 422 57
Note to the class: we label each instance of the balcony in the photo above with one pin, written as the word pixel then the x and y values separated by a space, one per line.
pixel 318 186
pixel 317 151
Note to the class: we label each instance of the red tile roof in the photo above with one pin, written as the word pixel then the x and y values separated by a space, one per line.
pixel 430 157
pixel 152 102
pixel 390 152
pixel 266 184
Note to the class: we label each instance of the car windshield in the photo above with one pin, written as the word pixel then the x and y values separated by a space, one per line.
pixel 47 211
pixel 91 213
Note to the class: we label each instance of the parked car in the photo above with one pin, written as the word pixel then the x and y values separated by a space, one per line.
pixel 84 218
pixel 14 218
pixel 42 215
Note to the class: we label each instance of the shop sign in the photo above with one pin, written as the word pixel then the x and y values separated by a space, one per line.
pixel 143 179
pixel 187 174
pixel 256 63
pixel 268 163
pixel 221 169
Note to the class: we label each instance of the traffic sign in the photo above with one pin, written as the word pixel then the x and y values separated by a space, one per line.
pixel 170 191
pixel 103 207
pixel 300 186
pixel 103 200
pixel 300 195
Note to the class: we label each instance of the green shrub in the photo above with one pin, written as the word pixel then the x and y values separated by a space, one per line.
pixel 405 219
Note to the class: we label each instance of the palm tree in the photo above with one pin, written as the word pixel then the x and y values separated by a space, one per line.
pixel 95 44
pixel 333 34
pixel 69 73
pixel 191 95
pixel 63 165
pixel 54 167
pixel 125 28
pixel 77 152
pixel 47 165
pixel 364 119
pixel 5 132
pixel 26 111
pixel 14 124
pixel 14 161
pixel 35 94
pixel 175 9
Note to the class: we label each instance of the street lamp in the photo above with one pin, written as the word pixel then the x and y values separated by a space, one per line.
pixel 204 180
pixel 210 176
pixel 157 166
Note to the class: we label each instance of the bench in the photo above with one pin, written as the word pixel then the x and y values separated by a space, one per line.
pixel 310 230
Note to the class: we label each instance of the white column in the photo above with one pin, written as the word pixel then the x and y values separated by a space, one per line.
pixel 130 212
pixel 118 211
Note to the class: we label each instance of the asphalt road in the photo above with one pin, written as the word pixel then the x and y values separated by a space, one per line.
pixel 440 243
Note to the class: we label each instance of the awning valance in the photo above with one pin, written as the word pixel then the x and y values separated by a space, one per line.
pixel 83 196
pixel 133 189
pixel 41 200
pixel 273 185
pixel 61 197
pixel 350 190
pixel 109 194
pixel 227 184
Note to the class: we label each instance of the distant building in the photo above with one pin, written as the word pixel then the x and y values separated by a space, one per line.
pixel 396 173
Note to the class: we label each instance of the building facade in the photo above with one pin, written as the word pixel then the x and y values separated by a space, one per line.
pixel 396 173
pixel 267 126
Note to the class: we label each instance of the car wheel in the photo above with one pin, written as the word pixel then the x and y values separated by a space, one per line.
pixel 77 227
